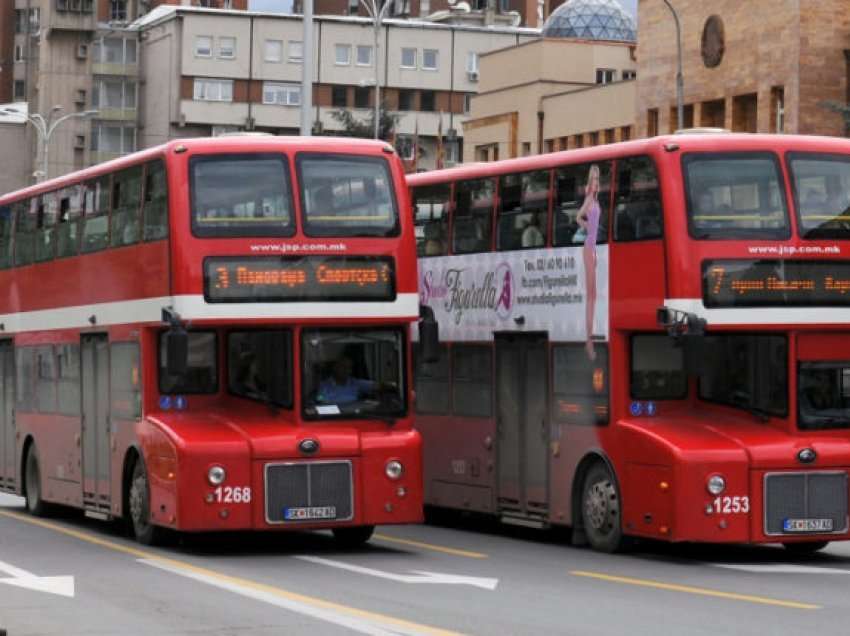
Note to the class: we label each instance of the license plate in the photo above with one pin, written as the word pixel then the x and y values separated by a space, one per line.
pixel 807 525
pixel 314 512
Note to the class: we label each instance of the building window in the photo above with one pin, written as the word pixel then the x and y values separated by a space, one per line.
pixel 213 90
pixel 427 101
pixel 20 89
pixel 339 96
pixel 227 48
pixel 20 21
pixel 777 109
pixel 342 54
pixel 114 51
pixel 113 93
pixel 19 53
pixel 361 96
pixel 118 10
pixel 405 147
pixel 364 55
pixel 296 52
pixel 467 102
pixel 405 99
pixel 652 122
pixel 273 50
pixel 629 75
pixel 203 46
pixel 625 133
pixel 113 138
pixel 281 94
pixel 35 20
pixel 429 59
pixel 605 75
pixel 408 58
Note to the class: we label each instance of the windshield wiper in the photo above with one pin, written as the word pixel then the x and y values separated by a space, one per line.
pixel 760 413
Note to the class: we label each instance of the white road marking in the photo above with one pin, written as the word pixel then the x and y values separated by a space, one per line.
pixel 60 585
pixel 362 626
pixel 416 576
pixel 780 568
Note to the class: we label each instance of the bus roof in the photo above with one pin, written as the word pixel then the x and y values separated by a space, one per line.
pixel 201 144
pixel 682 142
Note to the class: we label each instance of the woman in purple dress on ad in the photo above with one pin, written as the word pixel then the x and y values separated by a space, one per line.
pixel 588 219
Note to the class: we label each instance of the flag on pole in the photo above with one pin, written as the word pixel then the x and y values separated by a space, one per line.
pixel 440 149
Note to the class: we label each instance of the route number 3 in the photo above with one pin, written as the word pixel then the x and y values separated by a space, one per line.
pixel 732 505
pixel 233 495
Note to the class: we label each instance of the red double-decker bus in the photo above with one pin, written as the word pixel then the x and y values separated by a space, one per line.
pixel 213 335
pixel 645 339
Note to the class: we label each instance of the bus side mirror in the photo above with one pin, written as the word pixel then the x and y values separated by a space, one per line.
pixel 176 351
pixel 429 335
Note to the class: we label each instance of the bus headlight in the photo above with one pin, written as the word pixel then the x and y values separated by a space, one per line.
pixel 216 475
pixel 394 469
pixel 716 484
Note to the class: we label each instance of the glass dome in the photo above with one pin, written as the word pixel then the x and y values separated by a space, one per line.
pixel 591 20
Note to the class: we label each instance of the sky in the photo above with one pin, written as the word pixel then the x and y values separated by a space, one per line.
pixel 284 6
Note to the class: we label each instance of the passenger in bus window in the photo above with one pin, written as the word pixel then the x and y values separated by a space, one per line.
pixel 532 236
pixel 340 387
pixel 588 219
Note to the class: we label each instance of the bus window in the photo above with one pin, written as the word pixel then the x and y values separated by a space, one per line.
pixel 735 196
pixel 25 231
pixel 637 208
pixel 432 383
pixel 7 213
pixel 821 194
pixel 472 385
pixel 202 373
pixel 45 380
pixel 431 219
pixel 155 207
pixel 658 368
pixel 241 195
pixel 126 204
pixel 523 211
pixel 347 196
pixel 125 384
pixel 748 372
pixel 579 385
pixel 570 185
pixel 259 366
pixel 824 395
pixel 473 208
pixel 68 379
pixel 24 379
pixel 45 237
pixel 68 223
pixel 96 220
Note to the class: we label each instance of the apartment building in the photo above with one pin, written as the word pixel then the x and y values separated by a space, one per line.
pixel 226 71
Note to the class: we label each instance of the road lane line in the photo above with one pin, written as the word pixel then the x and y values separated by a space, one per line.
pixel 431 546
pixel 389 624
pixel 687 589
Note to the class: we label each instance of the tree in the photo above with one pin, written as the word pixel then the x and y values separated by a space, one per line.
pixel 354 127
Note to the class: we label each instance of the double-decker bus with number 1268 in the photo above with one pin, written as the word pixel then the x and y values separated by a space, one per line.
pixel 645 339
pixel 213 335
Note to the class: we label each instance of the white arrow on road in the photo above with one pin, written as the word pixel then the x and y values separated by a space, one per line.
pixel 780 568
pixel 415 576
pixel 61 585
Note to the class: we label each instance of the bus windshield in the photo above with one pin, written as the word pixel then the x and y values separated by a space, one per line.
pixel 735 195
pixel 822 194
pixel 241 195
pixel 353 373
pixel 824 395
pixel 343 195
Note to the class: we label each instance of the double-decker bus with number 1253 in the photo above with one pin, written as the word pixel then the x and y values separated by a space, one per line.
pixel 646 339
pixel 213 335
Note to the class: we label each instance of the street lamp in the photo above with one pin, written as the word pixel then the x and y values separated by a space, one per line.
pixel 680 108
pixel 377 12
pixel 45 129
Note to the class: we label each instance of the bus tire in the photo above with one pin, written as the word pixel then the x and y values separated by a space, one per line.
pixel 36 506
pixel 601 511
pixel 138 498
pixel 806 547
pixel 353 537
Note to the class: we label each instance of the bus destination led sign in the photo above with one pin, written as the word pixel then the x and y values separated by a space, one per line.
pixel 775 283
pixel 239 279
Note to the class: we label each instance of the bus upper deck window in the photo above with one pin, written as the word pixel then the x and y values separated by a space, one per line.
pixel 637 207
pixel 821 185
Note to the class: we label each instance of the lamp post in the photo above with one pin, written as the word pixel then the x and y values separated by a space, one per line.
pixel 45 129
pixel 680 82
pixel 377 12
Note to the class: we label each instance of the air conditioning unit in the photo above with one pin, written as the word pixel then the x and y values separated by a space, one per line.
pixel 472 75
pixel 82 51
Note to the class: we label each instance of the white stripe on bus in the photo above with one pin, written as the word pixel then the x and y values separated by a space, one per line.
pixel 762 315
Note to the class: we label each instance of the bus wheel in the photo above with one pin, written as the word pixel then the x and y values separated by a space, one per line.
pixel 806 547
pixel 600 510
pixel 140 510
pixel 32 484
pixel 353 537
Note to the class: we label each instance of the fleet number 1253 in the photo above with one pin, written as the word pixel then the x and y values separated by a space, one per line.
pixel 732 505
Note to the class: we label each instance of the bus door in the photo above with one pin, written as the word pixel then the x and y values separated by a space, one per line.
pixel 522 424
pixel 94 354
pixel 7 415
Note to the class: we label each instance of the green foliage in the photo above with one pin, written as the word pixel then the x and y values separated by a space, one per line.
pixel 354 127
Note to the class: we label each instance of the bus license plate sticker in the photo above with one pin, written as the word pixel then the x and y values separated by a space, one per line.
pixel 313 512
pixel 807 525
